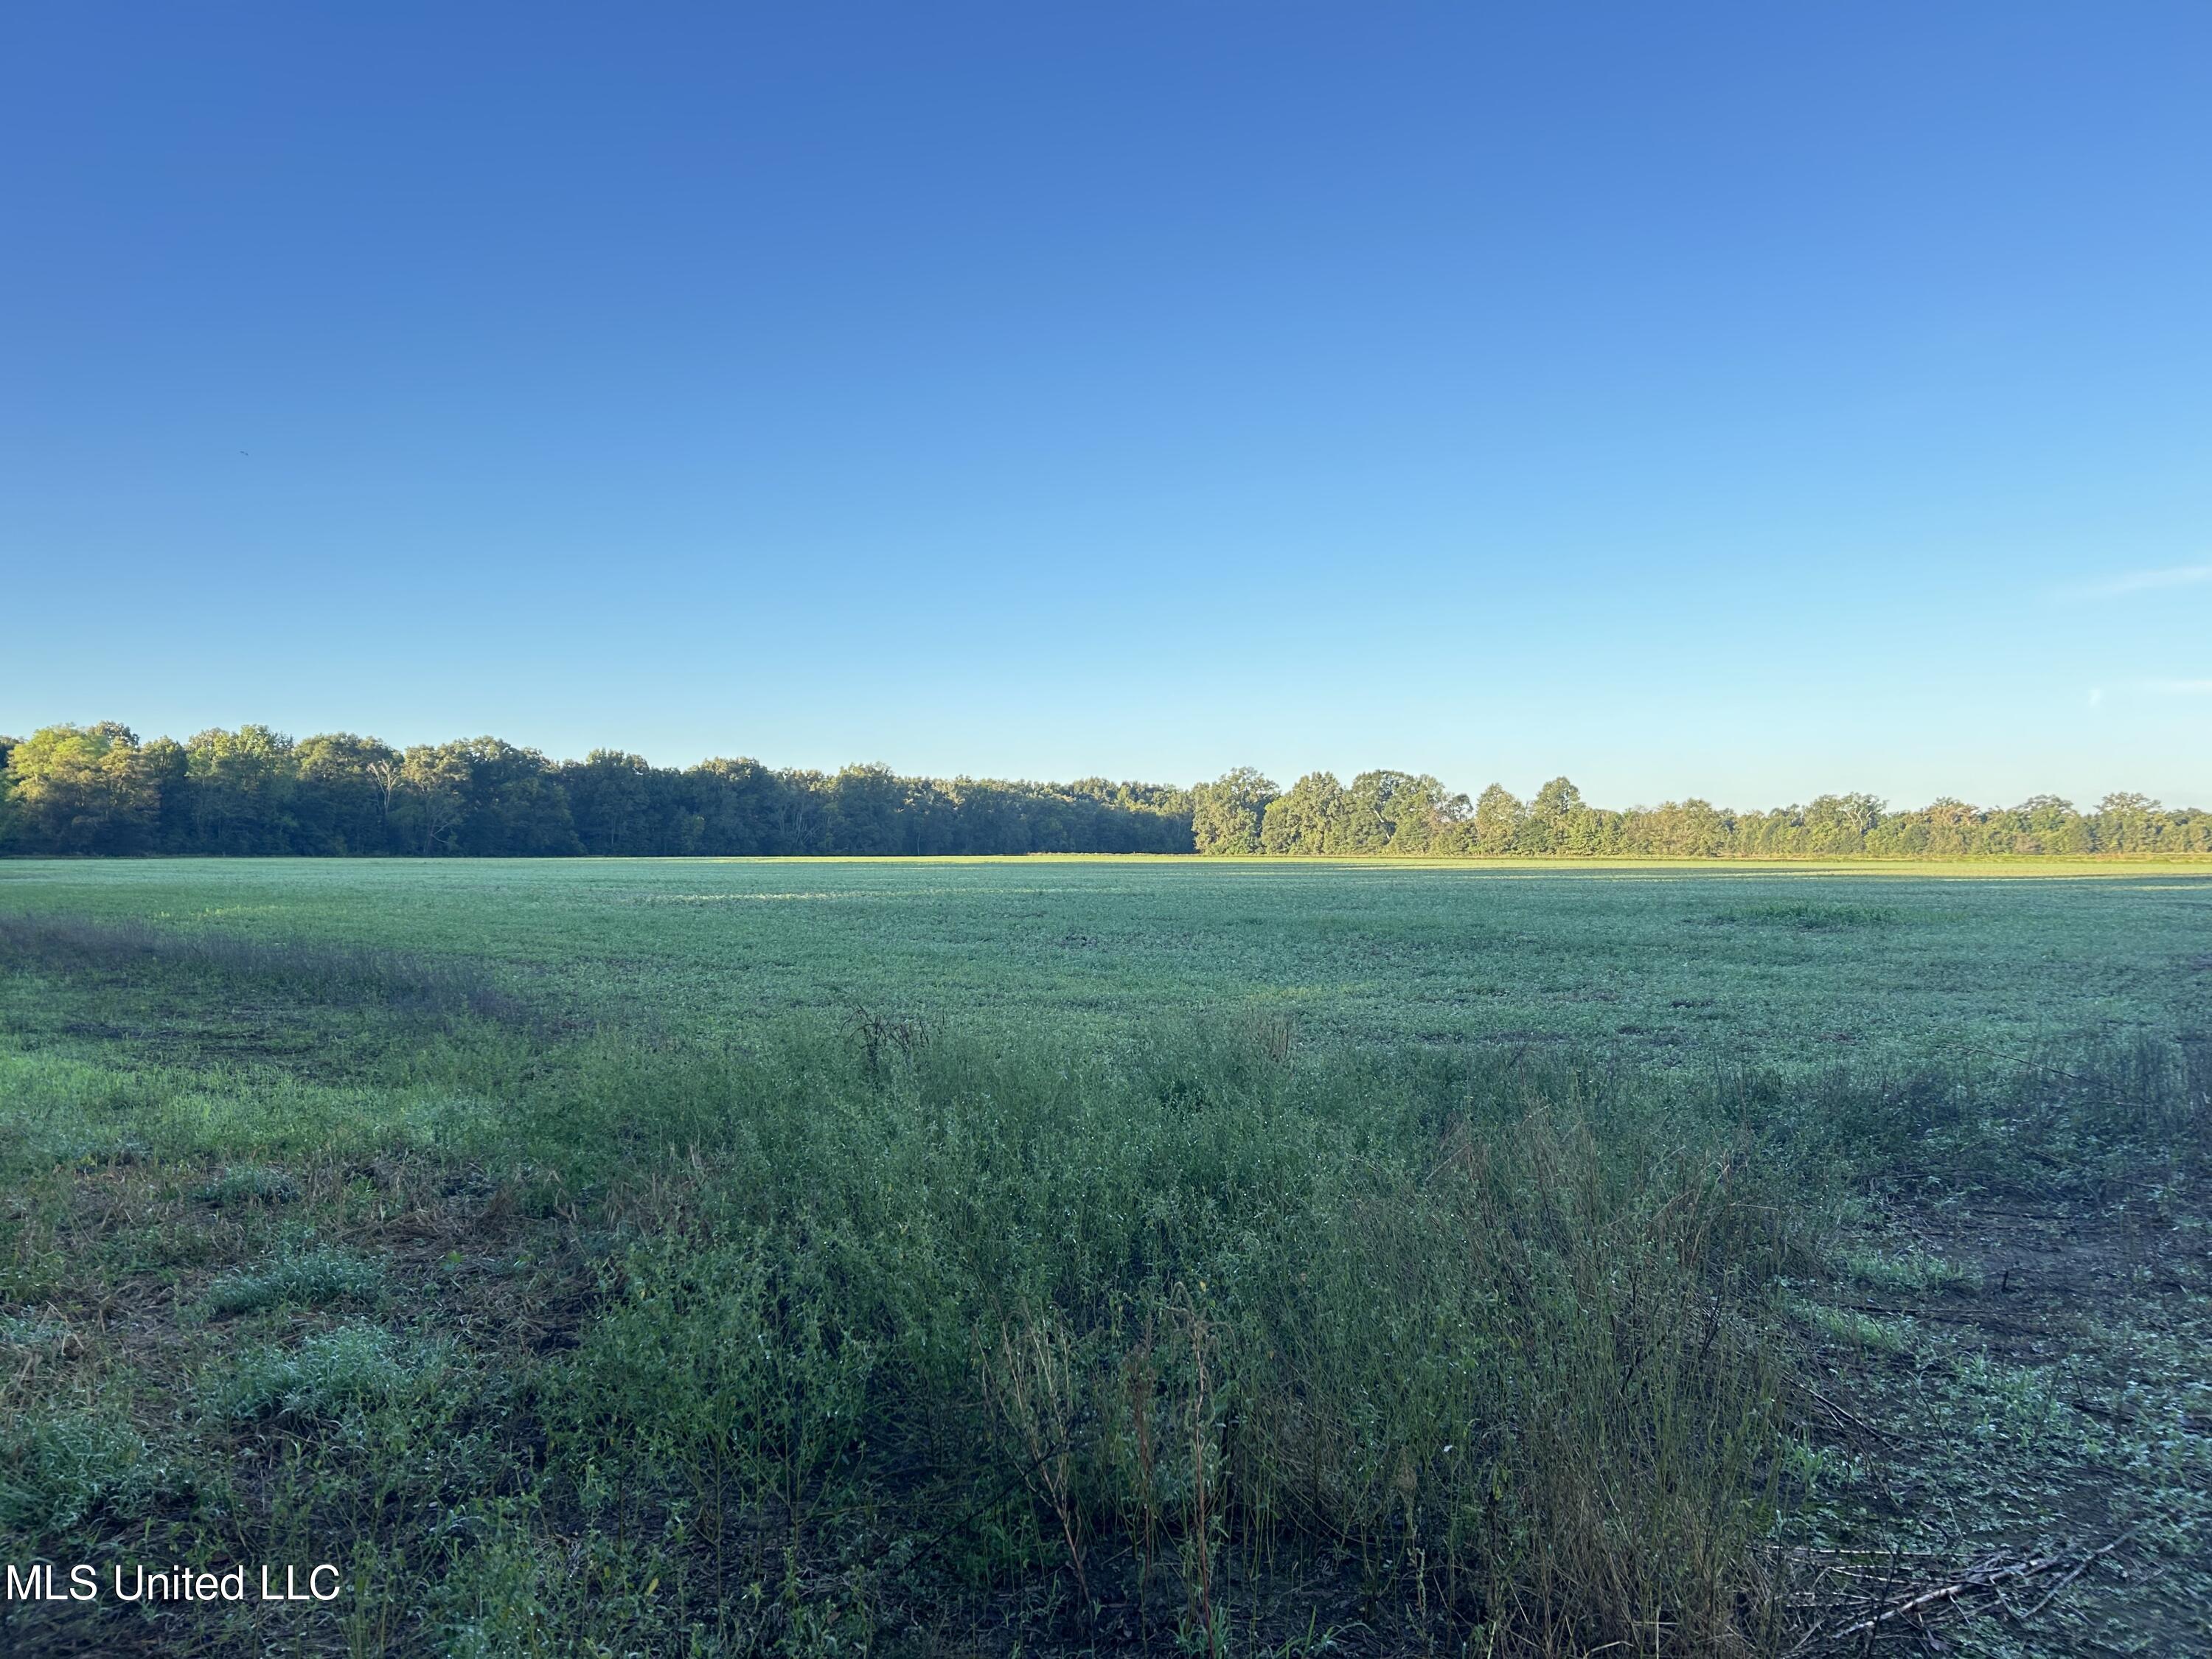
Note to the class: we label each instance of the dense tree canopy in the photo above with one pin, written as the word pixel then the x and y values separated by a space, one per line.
pixel 1393 812
pixel 100 789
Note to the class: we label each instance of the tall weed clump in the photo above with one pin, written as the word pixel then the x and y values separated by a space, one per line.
pixel 726 1362
pixel 1192 1303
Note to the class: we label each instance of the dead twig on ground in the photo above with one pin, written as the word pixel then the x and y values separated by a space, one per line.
pixel 1981 1577
pixel 2080 1567
pixel 1991 1575
pixel 1850 1419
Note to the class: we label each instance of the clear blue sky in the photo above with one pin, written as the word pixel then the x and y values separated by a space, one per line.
pixel 1744 401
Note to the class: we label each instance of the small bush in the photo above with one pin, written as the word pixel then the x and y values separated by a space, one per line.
pixel 350 1368
pixel 312 1279
pixel 32 1331
pixel 59 1468
pixel 1916 1270
pixel 727 1367
pixel 247 1184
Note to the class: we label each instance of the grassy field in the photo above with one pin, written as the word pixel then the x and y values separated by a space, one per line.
pixel 1782 964
pixel 1062 1256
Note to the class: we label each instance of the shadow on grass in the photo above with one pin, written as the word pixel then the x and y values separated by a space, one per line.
pixel 331 975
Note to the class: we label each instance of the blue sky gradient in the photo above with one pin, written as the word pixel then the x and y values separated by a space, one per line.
pixel 1741 401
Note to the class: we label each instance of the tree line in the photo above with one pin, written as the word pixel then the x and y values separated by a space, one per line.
pixel 1397 813
pixel 99 789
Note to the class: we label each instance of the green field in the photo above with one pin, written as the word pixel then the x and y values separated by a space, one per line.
pixel 1088 1254
pixel 1780 964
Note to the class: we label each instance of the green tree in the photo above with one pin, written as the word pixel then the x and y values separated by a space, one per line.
pixel 803 813
pixel 1836 824
pixel 865 807
pixel 1226 815
pixel 240 786
pixel 1953 829
pixel 2126 822
pixel 9 821
pixel 930 822
pixel 1560 823
pixel 343 800
pixel 1683 829
pixel 1498 819
pixel 2046 824
pixel 432 795
pixel 512 803
pixel 737 804
pixel 84 789
pixel 165 768
pixel 609 797
pixel 1307 820
pixel 1398 812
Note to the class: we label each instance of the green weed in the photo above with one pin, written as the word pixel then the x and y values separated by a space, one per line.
pixel 348 1368
pixel 310 1279
pixel 248 1184
pixel 61 1467
pixel 1848 1328
pixel 1913 1270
